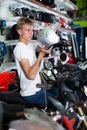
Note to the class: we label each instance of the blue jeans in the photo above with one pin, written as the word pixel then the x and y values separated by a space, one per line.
pixel 39 97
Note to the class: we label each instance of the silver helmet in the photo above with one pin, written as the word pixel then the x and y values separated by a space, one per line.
pixel 48 37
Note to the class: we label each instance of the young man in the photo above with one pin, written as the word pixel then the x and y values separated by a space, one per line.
pixel 28 64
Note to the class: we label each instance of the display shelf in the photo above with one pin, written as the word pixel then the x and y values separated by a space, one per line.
pixel 44 8
pixel 7 66
pixel 5 5
pixel 14 42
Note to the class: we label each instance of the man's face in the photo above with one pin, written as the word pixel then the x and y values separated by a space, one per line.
pixel 26 33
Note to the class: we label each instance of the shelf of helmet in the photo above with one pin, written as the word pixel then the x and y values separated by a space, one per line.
pixel 11 5
pixel 6 5
pixel 11 36
pixel 35 5
pixel 41 7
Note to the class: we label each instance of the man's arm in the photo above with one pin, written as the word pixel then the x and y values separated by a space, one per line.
pixel 31 71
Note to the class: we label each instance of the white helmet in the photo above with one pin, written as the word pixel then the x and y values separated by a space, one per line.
pixel 48 37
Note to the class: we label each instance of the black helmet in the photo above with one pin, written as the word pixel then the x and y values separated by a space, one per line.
pixel 46 2
pixel 50 3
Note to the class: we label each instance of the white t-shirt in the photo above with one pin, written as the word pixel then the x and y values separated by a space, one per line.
pixel 28 87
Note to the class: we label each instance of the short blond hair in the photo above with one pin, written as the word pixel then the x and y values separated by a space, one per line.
pixel 23 20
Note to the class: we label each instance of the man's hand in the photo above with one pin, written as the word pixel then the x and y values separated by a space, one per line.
pixel 45 50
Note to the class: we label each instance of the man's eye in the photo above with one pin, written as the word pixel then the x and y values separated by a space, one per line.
pixel 27 30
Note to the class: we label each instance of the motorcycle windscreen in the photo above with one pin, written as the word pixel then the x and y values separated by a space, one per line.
pixel 74 45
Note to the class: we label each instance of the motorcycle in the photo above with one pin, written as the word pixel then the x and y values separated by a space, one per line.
pixel 71 81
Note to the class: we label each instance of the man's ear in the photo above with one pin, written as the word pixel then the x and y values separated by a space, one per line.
pixel 19 31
